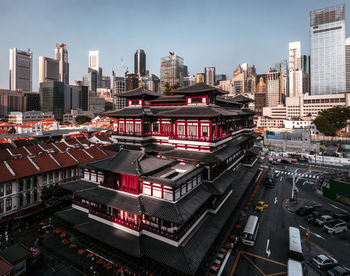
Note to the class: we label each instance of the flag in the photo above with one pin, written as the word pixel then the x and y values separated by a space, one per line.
pixel 172 53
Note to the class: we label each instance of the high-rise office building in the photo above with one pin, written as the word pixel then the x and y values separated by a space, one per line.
pixel 220 77
pixel 260 95
pixel 48 69
pixel 131 82
pixel 20 70
pixel 327 50
pixel 295 70
pixel 209 76
pixel 347 63
pixel 140 63
pixel 274 87
pixel 61 54
pixel 171 70
pixel 90 80
pixel 94 60
pixel 305 65
pixel 119 87
pixel 52 98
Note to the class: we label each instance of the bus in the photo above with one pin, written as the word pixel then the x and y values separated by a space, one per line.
pixel 295 268
pixel 250 231
pixel 295 249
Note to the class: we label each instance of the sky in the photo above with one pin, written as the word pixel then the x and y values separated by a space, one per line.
pixel 220 33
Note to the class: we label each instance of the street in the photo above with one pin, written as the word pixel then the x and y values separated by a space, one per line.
pixel 269 255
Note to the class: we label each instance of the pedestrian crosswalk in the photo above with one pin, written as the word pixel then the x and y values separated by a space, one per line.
pixel 303 175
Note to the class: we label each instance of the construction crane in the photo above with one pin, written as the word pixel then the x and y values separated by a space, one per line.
pixel 126 70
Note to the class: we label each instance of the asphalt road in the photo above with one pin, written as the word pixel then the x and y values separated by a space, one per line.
pixel 276 219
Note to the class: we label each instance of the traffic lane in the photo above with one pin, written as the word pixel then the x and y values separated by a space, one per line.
pixel 274 223
pixel 337 245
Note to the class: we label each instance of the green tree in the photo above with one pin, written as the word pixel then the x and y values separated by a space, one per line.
pixel 82 119
pixel 330 121
pixel 168 88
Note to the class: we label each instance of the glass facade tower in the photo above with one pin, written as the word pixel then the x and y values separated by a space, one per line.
pixel 327 50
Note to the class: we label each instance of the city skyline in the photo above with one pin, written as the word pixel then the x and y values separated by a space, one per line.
pixel 261 44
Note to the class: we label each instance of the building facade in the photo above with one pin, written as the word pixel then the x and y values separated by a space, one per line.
pixel 20 70
pixel 29 116
pixel 347 63
pixel 140 63
pixel 327 50
pixel 274 87
pixel 295 69
pixel 61 54
pixel 171 70
pixel 94 62
pixel 48 69
pixel 209 76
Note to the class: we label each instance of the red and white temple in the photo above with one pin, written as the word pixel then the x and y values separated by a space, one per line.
pixel 170 189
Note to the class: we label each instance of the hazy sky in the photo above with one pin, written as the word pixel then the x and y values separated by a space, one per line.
pixel 205 33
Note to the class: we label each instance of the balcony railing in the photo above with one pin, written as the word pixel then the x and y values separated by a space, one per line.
pixel 135 134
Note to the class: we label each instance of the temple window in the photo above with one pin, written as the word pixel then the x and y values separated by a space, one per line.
pixel 155 128
pixel 192 130
pixel 180 130
pixel 205 131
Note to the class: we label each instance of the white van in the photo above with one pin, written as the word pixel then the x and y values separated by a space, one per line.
pixel 295 268
pixel 335 226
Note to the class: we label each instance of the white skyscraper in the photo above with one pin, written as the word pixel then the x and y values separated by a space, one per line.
pixel 20 70
pixel 94 60
pixel 61 54
pixel 295 70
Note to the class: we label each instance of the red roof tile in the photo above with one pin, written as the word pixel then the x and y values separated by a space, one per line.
pixel 5 174
pixel 45 163
pixel 4 155
pixel 65 159
pixel 81 156
pixel 22 167
pixel 62 146
pixel 20 150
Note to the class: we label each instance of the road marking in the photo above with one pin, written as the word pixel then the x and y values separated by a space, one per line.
pixel 263 258
pixel 315 234
pixel 268 251
pixel 336 207
pixel 235 263
pixel 256 267
pixel 278 273
pixel 276 200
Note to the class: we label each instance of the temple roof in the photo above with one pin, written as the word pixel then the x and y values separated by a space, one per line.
pixel 198 111
pixel 164 99
pixel 198 88
pixel 242 99
pixel 131 162
pixel 139 92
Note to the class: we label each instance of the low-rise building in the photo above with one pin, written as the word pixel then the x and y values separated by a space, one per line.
pixel 74 113
pixel 26 170
pixel 29 116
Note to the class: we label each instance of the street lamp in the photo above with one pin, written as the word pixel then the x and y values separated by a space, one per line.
pixel 294 188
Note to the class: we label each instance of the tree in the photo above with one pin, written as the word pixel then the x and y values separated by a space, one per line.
pixel 82 119
pixel 168 88
pixel 330 121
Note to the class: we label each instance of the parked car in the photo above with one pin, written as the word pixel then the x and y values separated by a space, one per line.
pixel 335 226
pixel 305 210
pixel 342 216
pixel 311 218
pixel 285 161
pixel 261 206
pixel 338 271
pixel 323 219
pixel 324 262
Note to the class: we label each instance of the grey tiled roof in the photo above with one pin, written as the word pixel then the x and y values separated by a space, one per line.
pixel 198 88
pixel 112 236
pixel 220 185
pixel 72 216
pixel 78 185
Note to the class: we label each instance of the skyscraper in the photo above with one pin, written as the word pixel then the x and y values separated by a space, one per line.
pixel 20 70
pixel 171 70
pixel 327 50
pixel 140 63
pixel 209 76
pixel 347 63
pixel 295 70
pixel 61 54
pixel 274 85
pixel 48 69
pixel 94 59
